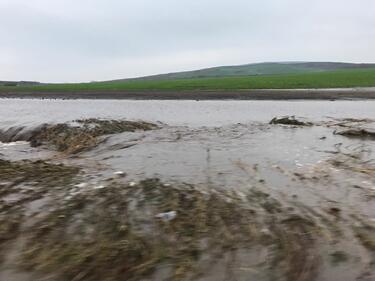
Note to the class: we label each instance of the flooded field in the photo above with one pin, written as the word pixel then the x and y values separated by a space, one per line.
pixel 177 112
pixel 187 190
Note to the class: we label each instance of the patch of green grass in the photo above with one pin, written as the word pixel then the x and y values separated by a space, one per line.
pixel 336 79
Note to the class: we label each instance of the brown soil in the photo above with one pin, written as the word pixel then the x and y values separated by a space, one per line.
pixel 289 120
pixel 75 137
pixel 321 94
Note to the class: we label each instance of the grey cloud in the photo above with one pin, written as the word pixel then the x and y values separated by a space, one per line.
pixel 103 39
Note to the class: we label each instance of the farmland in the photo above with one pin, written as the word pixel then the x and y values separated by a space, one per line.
pixel 330 79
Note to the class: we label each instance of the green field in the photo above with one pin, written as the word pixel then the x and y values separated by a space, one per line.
pixel 267 68
pixel 335 79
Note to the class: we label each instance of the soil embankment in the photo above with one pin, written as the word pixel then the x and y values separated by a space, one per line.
pixel 263 94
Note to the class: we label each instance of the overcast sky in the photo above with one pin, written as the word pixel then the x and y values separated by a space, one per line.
pixel 84 40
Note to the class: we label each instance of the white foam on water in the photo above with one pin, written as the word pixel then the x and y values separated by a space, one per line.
pixel 5 145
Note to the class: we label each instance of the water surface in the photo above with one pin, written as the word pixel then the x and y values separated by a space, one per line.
pixel 172 112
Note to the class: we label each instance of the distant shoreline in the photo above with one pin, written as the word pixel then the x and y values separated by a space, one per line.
pixel 292 94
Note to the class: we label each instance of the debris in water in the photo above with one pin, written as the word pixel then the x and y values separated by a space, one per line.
pixel 120 174
pixel 334 211
pixel 81 185
pixel 339 257
pixel 168 216
pixel 289 120
pixel 356 133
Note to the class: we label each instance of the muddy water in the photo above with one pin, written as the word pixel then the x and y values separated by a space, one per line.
pixel 191 113
pixel 228 147
pixel 225 157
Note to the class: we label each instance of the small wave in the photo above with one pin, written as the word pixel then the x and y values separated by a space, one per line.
pixel 17 134
pixel 15 143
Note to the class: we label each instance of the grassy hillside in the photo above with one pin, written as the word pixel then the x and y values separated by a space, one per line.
pixel 256 69
pixel 336 79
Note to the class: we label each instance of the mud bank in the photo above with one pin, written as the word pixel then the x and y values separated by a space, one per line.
pixel 72 137
pixel 304 94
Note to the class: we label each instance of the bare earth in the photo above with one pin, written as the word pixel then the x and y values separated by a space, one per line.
pixel 267 94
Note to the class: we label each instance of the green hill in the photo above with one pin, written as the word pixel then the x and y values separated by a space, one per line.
pixel 256 69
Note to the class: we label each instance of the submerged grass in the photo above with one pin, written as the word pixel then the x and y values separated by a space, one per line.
pixel 9 227
pixel 365 234
pixel 112 243
pixel 289 120
pixel 339 257
pixel 26 181
pixel 114 234
pixel 16 178
pixel 78 136
pixel 38 173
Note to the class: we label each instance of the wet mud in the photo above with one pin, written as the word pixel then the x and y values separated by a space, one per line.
pixel 289 120
pixel 74 137
pixel 256 94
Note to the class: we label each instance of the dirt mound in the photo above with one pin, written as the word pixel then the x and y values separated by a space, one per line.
pixel 289 120
pixel 357 133
pixel 73 137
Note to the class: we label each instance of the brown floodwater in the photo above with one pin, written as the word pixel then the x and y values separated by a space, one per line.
pixel 227 148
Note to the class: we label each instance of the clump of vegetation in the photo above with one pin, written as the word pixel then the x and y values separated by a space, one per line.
pixel 357 133
pixel 9 226
pixel 289 120
pixel 15 180
pixel 338 257
pixel 26 181
pixel 105 127
pixel 37 173
pixel 353 162
pixel 365 234
pixel 85 134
